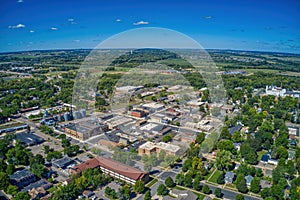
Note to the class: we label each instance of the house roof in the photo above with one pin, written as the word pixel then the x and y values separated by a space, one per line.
pixel 90 164
pixel 18 175
pixel 248 179
pixel 39 184
pixel 120 168
pixel 112 165
pixel 234 129
pixel 63 162
pixel 265 157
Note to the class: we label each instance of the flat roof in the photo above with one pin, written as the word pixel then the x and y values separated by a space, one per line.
pixel 29 139
pixel 162 145
pixel 21 174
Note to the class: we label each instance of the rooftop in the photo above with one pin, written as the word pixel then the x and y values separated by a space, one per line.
pixel 29 139
pixel 21 174
pixel 41 183
pixel 63 162
pixel 165 146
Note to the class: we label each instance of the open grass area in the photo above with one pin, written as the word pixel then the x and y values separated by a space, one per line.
pixel 200 196
pixel 260 153
pixel 150 184
pixel 209 174
pixel 215 176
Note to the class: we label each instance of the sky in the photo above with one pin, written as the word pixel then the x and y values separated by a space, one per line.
pixel 259 25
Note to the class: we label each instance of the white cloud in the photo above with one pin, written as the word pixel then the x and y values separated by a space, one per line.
pixel 141 23
pixel 17 26
pixel 71 21
pixel 31 31
pixel 208 17
pixel 20 1
pixel 76 40
pixel 118 20
pixel 53 28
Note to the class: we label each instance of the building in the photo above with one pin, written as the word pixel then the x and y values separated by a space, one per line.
pixel 248 179
pixel 229 177
pixel 28 139
pixel 83 130
pixel 113 168
pixel 63 163
pixel 6 128
pixel 181 195
pixel 22 178
pixel 150 147
pixel 38 184
pixel 138 113
pixel 186 137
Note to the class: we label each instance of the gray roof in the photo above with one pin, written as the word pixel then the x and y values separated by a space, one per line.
pixel 29 139
pixel 63 162
pixel 18 175
pixel 41 183
pixel 234 129
pixel 248 179
pixel 229 176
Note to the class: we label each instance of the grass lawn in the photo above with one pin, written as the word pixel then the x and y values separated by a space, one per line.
pixel 209 174
pixel 152 183
pixel 200 196
pixel 260 153
pixel 214 177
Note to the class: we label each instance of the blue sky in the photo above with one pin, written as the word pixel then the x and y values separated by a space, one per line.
pixel 223 24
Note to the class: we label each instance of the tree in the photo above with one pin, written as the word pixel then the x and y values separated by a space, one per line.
pixel 225 133
pixel 188 180
pixel 239 197
pixel 206 189
pixel 10 169
pixel 218 192
pixel 22 196
pixel 180 179
pixel 147 195
pixel 277 192
pixel 259 173
pixel 4 180
pixel 225 145
pixel 290 168
pixel 220 179
pixel 277 174
pixel 169 182
pixel 167 138
pixel 200 137
pixel 139 186
pixel 241 183
pixel 12 189
pixel 196 184
pixel 162 190
pixel 223 160
pixel 255 185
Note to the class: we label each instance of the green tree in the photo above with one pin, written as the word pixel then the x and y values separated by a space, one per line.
pixel 220 179
pixel 10 169
pixel 218 192
pixel 225 145
pixel 188 180
pixel 196 184
pixel 4 180
pixel 167 138
pixel 265 193
pixel 139 186
pixel 206 189
pixel 255 185
pixel 241 183
pixel 169 182
pixel 277 174
pixel 162 190
pixel 200 137
pixel 22 196
pixel 180 179
pixel 147 195
pixel 239 197
pixel 12 189
pixel 223 160
pixel 277 192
